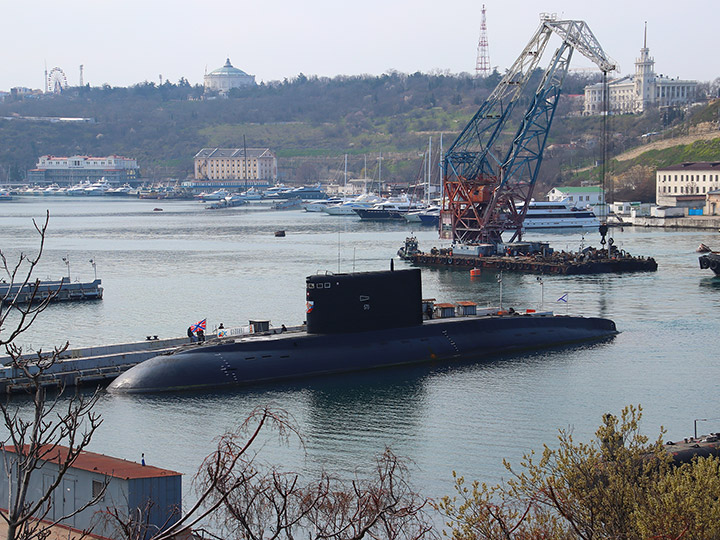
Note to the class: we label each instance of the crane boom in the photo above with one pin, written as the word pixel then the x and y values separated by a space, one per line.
pixel 485 193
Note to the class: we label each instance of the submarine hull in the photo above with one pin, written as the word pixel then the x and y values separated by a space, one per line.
pixel 285 356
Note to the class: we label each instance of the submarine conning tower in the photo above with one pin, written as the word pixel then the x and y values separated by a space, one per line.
pixel 357 302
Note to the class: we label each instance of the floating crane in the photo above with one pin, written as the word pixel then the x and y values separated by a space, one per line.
pixel 485 193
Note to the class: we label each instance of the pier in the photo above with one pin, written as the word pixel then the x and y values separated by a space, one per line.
pixel 87 366
pixel 58 291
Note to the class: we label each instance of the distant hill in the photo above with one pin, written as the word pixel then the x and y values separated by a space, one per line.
pixel 631 174
pixel 309 122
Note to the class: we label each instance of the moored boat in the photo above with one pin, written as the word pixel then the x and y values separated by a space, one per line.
pixel 429 217
pixel 555 215
pixel 319 205
pixel 288 204
pixel 391 209
pixel 347 208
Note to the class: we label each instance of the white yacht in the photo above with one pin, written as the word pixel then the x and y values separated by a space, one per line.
pixel 553 215
pixel 78 189
pixel 217 195
pixel 347 208
pixel 319 205
pixel 98 188
pixel 390 209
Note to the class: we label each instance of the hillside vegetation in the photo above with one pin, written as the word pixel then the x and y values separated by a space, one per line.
pixel 309 122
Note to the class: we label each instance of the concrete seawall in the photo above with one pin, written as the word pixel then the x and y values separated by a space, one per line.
pixel 689 222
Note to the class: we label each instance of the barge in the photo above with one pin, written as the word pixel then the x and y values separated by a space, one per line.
pixel 524 257
pixel 357 322
pixel 58 291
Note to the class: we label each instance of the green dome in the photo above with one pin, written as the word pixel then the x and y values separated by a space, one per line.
pixel 228 70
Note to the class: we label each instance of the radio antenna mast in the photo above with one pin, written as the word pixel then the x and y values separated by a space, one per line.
pixel 482 65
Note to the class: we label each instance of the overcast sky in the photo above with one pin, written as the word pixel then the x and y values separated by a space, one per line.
pixel 123 42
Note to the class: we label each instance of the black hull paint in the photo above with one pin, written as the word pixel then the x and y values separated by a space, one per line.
pixel 293 355
pixel 711 261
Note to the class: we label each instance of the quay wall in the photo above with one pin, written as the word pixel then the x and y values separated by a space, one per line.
pixel 689 222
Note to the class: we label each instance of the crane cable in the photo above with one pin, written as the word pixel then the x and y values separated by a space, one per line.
pixel 605 113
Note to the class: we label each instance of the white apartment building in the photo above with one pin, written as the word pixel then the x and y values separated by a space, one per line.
pixel 683 179
pixel 64 171
pixel 634 94
pixel 577 196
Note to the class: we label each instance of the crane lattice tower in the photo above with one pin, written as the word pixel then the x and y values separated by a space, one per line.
pixel 482 65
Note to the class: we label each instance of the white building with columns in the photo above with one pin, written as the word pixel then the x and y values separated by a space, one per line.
pixel 636 93
pixel 226 78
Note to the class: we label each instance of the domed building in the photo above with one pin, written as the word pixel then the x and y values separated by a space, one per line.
pixel 227 77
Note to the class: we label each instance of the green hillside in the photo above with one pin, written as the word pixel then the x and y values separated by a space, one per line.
pixel 310 123
pixel 634 179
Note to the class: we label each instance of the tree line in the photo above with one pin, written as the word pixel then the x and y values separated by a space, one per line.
pixel 310 123
pixel 303 118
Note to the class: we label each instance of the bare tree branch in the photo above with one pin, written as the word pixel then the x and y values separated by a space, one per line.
pixel 56 430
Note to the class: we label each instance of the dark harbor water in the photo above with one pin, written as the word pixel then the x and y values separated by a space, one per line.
pixel 165 270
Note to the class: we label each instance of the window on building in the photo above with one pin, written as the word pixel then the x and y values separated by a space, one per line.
pixel 97 489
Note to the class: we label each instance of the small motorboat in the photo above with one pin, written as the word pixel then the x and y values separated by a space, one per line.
pixel 279 234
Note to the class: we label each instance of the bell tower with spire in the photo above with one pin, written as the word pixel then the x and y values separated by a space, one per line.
pixel 644 77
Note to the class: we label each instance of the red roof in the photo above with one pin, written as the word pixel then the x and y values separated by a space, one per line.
pixel 693 166
pixel 105 465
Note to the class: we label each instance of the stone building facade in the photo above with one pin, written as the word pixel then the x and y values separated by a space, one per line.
pixel 253 164
pixel 636 93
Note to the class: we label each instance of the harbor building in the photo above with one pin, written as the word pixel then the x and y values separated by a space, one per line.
pixel 67 171
pixel 636 93
pixel 129 487
pixel 676 184
pixel 712 203
pixel 224 79
pixel 577 196
pixel 235 167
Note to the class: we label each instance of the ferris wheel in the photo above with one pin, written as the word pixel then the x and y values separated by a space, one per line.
pixel 56 81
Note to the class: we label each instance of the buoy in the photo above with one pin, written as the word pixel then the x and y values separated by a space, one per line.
pixel 279 233
pixel 475 272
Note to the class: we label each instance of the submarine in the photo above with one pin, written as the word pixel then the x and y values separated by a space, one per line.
pixel 355 322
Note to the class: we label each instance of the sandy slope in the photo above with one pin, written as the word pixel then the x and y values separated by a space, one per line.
pixel 703 132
